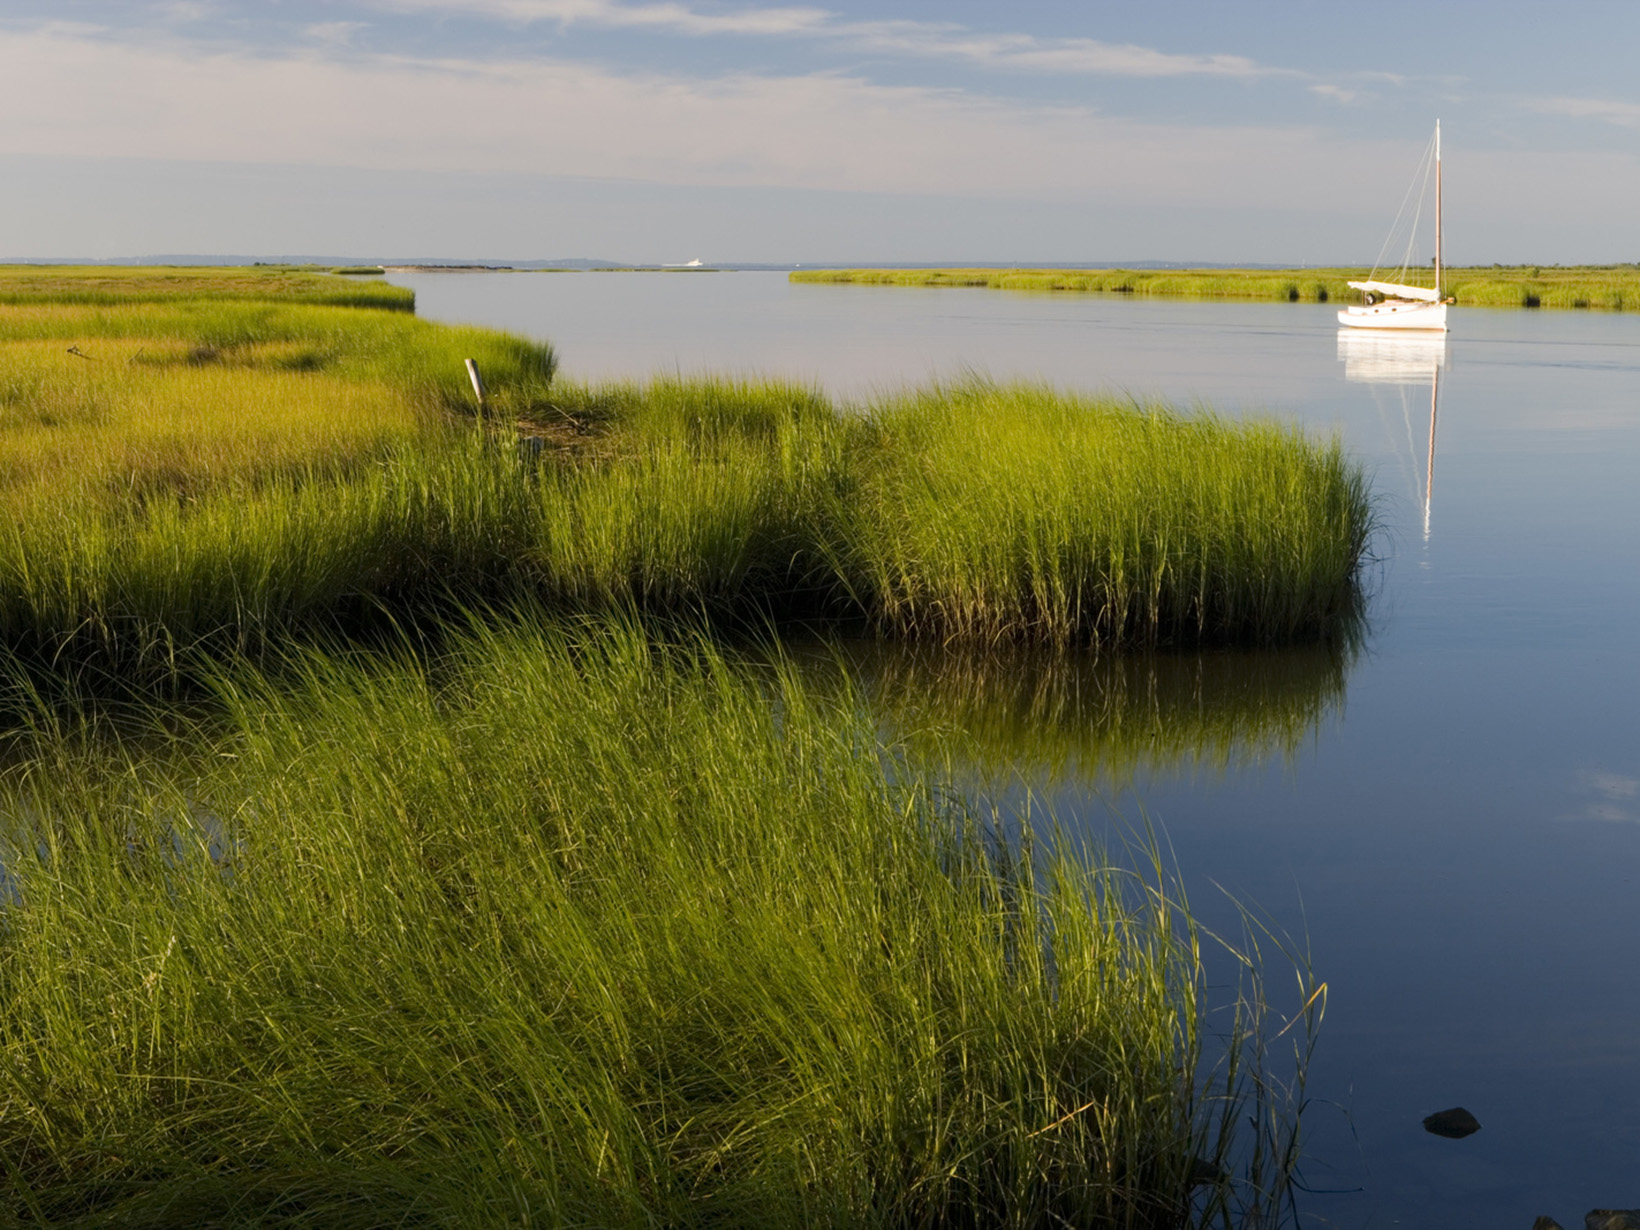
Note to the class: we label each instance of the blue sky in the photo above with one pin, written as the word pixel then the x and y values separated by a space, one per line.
pixel 672 129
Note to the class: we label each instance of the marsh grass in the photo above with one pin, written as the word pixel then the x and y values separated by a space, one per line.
pixel 555 913
pixel 1612 287
pixel 202 469
pixel 577 927
pixel 973 512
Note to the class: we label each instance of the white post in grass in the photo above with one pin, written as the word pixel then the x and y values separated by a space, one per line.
pixel 478 384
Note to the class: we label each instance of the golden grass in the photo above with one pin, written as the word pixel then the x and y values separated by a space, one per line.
pixel 139 418
pixel 147 283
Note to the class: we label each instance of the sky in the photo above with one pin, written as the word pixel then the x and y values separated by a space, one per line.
pixel 905 131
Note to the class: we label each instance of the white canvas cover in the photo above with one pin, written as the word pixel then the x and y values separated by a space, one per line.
pixel 1394 290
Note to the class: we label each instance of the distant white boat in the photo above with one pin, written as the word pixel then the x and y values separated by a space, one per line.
pixel 1398 305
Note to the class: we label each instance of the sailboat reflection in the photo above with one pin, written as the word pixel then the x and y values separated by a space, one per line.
pixel 1404 361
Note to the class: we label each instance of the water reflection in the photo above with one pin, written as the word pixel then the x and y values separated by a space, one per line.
pixel 1057 716
pixel 1402 361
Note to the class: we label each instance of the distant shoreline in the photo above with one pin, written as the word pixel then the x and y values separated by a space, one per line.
pixel 1607 287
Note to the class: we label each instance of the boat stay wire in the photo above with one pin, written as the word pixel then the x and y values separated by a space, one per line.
pixel 1416 193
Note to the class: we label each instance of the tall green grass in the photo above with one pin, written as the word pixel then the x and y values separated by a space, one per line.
pixel 976 512
pixel 574 928
pixel 1613 287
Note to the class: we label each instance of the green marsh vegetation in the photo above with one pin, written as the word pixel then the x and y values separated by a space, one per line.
pixel 212 470
pixel 577 926
pixel 1612 287
pixel 539 903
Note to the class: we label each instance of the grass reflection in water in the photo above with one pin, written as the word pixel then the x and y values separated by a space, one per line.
pixel 1055 715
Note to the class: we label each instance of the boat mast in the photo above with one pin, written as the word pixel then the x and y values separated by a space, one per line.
pixel 1437 209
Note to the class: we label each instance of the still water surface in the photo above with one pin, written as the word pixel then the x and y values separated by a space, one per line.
pixel 1451 819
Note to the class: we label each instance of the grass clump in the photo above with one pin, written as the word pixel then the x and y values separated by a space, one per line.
pixel 1011 511
pixel 572 927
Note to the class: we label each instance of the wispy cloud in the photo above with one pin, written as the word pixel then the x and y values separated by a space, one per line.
pixel 333 33
pixel 1336 92
pixel 184 10
pixel 1610 111
pixel 922 39
pixel 1028 53
pixel 673 17
pixel 1612 797
pixel 163 97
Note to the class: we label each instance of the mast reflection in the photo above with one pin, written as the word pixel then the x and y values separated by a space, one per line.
pixel 1405 361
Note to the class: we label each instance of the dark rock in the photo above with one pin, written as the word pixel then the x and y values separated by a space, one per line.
pixel 1547 1223
pixel 1612 1219
pixel 1454 1124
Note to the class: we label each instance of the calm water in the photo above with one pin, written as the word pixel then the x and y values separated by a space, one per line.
pixel 1452 819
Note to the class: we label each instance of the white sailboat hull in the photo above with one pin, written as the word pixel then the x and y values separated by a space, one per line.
pixel 1395 316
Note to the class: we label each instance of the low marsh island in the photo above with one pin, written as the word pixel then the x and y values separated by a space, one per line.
pixel 548 811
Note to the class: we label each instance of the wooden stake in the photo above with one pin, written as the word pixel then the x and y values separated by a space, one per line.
pixel 478 383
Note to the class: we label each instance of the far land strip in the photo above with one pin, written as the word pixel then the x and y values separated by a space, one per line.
pixel 1611 287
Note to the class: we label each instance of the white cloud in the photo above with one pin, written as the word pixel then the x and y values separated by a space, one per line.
pixel 73 94
pixel 931 40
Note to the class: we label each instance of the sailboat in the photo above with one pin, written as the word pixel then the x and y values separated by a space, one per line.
pixel 1397 305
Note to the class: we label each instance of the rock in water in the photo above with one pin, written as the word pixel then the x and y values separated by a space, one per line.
pixel 1612 1219
pixel 1546 1222
pixel 1454 1124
